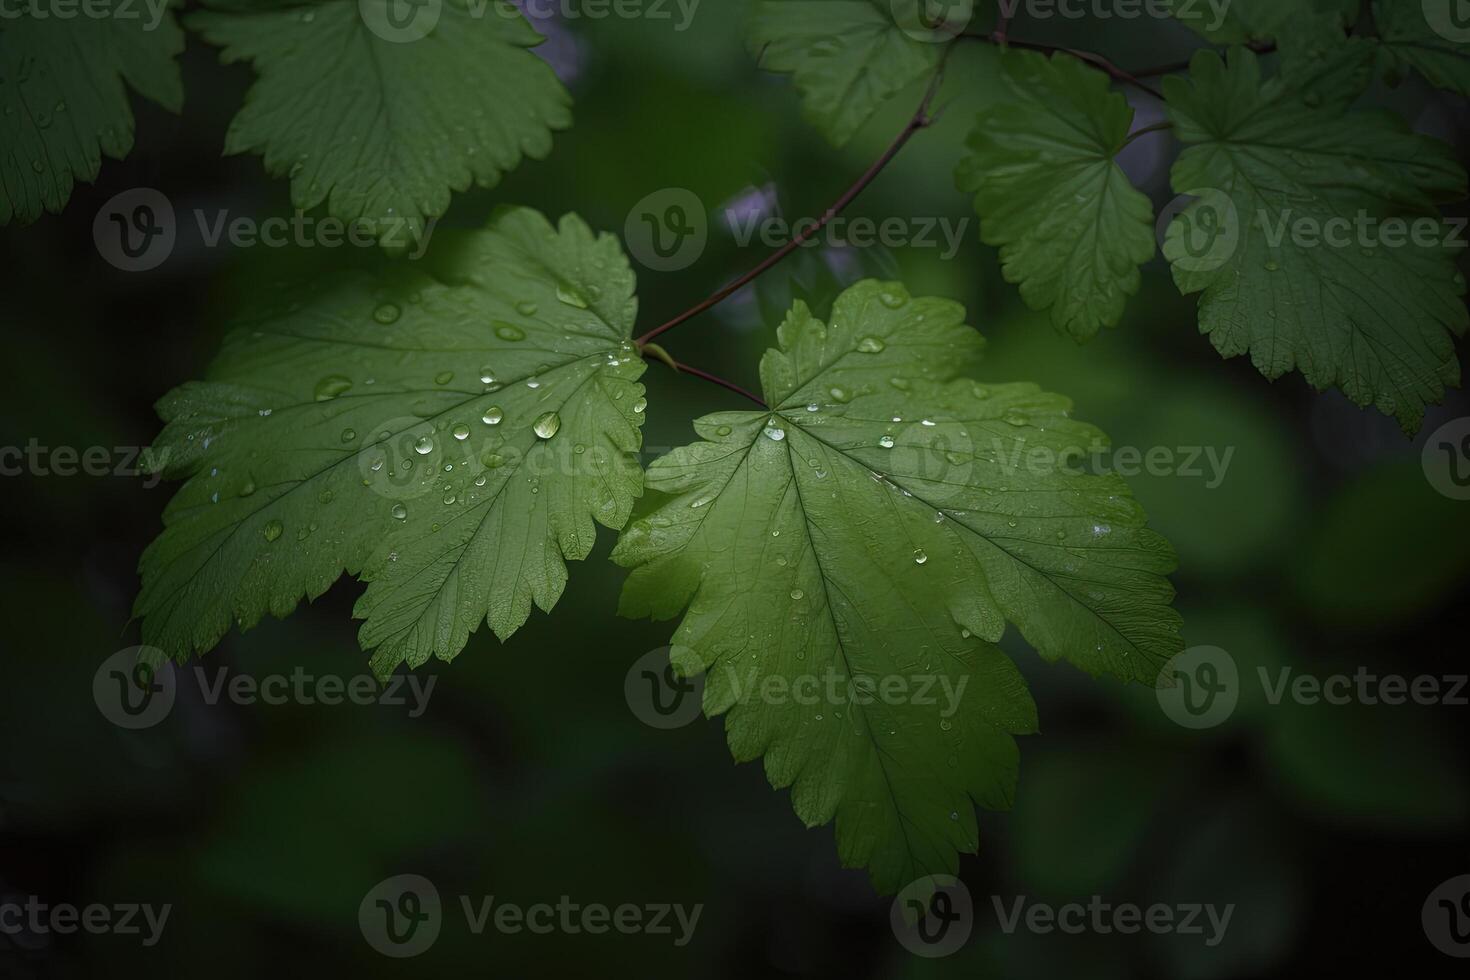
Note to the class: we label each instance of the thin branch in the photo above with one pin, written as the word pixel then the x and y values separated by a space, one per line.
pixel 1157 127
pixel 1179 66
pixel 1096 60
pixel 683 368
pixel 920 120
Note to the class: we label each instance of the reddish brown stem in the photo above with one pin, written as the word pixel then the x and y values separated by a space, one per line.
pixel 919 120
pixel 1096 60
pixel 683 368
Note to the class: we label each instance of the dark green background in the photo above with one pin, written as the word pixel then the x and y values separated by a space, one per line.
pixel 529 778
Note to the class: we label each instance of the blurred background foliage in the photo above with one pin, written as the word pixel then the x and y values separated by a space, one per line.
pixel 1324 549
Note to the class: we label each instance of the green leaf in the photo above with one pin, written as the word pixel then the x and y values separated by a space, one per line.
pixel 382 130
pixel 1349 308
pixel 1071 229
pixel 879 526
pixel 449 444
pixel 847 57
pixel 64 99
pixel 1408 40
pixel 1255 21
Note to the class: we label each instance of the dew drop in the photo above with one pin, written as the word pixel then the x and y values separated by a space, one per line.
pixel 526 308
pixel 640 405
pixel 349 434
pixel 871 345
pixel 461 432
pixel 723 430
pixel 493 415
pixel 423 445
pixel 387 313
pixel 330 387
pixel 399 512
pixel 798 594
pixel 508 331
pixel 886 442
pixel 273 530
pixel 547 425
pixel 919 556
pixel 443 377
pixel 773 431
pixel 571 297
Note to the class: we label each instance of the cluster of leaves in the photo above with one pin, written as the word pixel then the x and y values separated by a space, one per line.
pixel 1260 154
pixel 376 128
pixel 453 435
pixel 452 438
